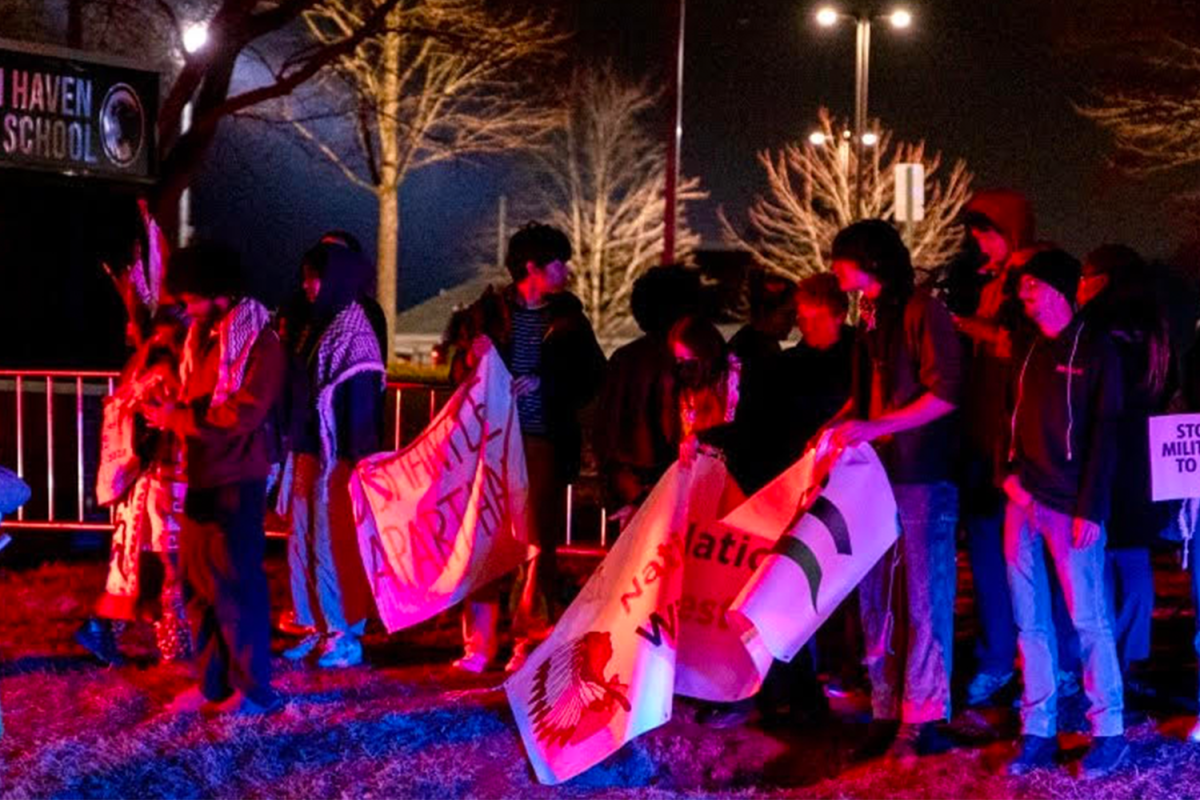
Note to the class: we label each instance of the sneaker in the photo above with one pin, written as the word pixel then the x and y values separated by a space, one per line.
pixel 475 663
pixel 1037 752
pixel 96 636
pixel 985 685
pixel 880 735
pixel 522 650
pixel 341 652
pixel 1106 755
pixel 304 649
pixel 726 715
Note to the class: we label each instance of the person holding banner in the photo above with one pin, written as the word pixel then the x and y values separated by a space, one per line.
pixel 1068 396
pixel 142 478
pixel 549 347
pixel 341 424
pixel 232 375
pixel 906 386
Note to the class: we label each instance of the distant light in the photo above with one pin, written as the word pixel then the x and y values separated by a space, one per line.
pixel 870 139
pixel 827 17
pixel 816 139
pixel 901 18
pixel 195 36
pixel 847 135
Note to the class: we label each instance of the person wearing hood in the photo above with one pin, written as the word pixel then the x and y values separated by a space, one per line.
pixel 1067 394
pixel 1001 226
pixel 340 424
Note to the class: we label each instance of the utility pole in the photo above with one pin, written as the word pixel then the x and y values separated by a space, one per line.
pixel 674 137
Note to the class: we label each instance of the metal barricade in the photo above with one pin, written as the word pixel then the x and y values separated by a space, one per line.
pixel 409 408
pixel 32 441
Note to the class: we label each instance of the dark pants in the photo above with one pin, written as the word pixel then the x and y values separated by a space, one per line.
pixel 996 647
pixel 228 607
pixel 537 606
pixel 1130 584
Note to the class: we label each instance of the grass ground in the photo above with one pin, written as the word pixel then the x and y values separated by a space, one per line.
pixel 405 725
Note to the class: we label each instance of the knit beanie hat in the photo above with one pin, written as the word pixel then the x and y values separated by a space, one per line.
pixel 1057 269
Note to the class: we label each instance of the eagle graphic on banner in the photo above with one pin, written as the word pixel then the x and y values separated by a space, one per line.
pixel 572 698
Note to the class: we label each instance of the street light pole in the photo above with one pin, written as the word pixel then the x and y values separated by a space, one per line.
pixel 827 17
pixel 670 189
pixel 862 63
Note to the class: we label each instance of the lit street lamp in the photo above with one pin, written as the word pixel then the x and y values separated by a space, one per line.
pixel 195 36
pixel 829 16
pixel 819 139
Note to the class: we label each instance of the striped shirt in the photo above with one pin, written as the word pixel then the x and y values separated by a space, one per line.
pixel 529 327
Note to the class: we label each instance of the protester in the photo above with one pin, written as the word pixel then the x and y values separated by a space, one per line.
pixel 636 412
pixel 772 317
pixel 341 424
pixel 232 375
pixel 906 387
pixel 1187 522
pixel 366 295
pixel 1119 295
pixel 784 404
pixel 143 573
pixel 1068 395
pixel 1000 223
pixel 707 375
pixel 549 347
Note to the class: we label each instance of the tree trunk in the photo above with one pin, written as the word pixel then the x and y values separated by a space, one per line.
pixel 388 191
pixel 387 265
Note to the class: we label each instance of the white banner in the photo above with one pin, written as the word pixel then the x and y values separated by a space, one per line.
pixel 607 673
pixel 841 529
pixel 446 515
pixel 1174 456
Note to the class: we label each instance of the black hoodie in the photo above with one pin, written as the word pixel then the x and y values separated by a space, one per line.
pixel 1068 396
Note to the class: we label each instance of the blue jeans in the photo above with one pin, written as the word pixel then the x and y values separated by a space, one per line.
pixel 1130 583
pixel 907 607
pixel 1028 535
pixel 996 648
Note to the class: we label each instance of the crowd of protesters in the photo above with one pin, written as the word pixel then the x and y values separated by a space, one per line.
pixel 1007 399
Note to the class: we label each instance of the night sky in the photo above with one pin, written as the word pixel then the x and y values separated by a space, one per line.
pixel 985 81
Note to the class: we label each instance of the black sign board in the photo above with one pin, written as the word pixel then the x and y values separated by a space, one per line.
pixel 76 113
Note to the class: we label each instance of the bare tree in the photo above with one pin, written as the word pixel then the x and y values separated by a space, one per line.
pixel 602 183
pixel 1147 90
pixel 811 197
pixel 443 79
pixel 151 32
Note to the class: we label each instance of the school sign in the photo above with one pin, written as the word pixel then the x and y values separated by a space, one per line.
pixel 76 114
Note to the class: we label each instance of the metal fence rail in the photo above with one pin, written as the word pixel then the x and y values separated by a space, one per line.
pixel 27 443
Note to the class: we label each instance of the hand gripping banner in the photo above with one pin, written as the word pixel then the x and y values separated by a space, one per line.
pixel 607 673
pixel 446 515
pixel 843 523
